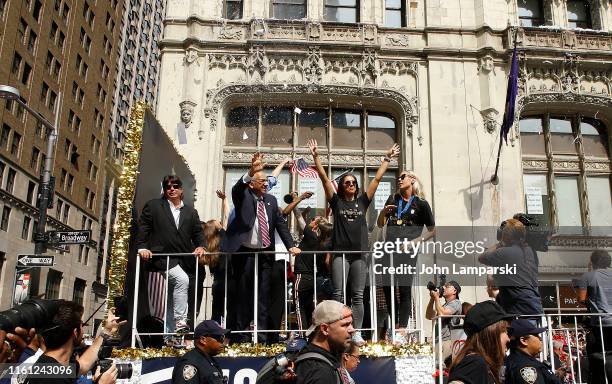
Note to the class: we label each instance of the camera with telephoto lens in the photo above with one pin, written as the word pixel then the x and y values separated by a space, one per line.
pixel 432 287
pixel 33 313
pixel 124 371
pixel 535 237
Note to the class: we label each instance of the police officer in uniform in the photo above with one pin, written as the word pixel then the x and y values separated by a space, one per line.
pixel 198 366
pixel 522 366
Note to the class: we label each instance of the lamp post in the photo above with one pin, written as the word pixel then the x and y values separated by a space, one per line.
pixel 46 187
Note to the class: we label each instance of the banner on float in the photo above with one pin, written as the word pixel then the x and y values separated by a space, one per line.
pixel 243 370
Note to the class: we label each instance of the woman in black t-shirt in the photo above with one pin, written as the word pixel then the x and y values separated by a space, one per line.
pixel 405 213
pixel 350 231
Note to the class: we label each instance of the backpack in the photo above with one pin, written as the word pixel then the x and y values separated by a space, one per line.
pixel 281 369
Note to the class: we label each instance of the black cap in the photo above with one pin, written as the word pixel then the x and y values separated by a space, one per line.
pixel 482 315
pixel 209 328
pixel 524 327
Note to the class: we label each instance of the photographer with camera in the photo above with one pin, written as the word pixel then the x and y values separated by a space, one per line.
pixel 452 306
pixel 64 332
pixel 518 293
pixel 198 366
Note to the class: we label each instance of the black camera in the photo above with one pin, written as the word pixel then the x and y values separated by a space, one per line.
pixel 33 313
pixel 288 198
pixel 440 288
pixel 536 237
pixel 124 371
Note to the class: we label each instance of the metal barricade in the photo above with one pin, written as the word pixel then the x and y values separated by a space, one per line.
pixel 576 349
pixel 370 284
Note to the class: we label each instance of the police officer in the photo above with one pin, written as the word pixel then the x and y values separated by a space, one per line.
pixel 522 366
pixel 198 366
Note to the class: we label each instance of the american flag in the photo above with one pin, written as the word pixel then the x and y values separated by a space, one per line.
pixel 303 169
pixel 336 180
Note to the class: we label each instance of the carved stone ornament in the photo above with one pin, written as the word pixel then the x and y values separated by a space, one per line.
pixel 569 39
pixel 370 63
pixel 489 119
pixel 187 109
pixel 258 61
pixel 486 65
pixel 191 56
pixel 408 105
pixel 259 29
pixel 369 33
pixel 314 66
pixel 229 32
pixel 400 40
pixel 314 31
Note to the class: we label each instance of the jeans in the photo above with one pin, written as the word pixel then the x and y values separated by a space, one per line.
pixel 354 269
pixel 176 303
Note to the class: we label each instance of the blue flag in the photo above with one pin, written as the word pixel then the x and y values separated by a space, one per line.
pixel 510 98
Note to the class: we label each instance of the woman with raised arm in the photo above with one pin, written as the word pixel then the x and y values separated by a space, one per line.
pixel 350 232
pixel 405 213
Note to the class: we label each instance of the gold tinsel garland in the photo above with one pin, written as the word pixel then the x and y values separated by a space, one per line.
pixel 125 198
pixel 251 350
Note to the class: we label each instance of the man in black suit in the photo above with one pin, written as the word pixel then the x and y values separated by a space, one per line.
pixel 257 217
pixel 167 225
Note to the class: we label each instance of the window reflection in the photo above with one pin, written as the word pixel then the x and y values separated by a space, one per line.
pixel 242 123
pixel 346 129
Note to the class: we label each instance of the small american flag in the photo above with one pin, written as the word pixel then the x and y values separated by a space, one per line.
pixel 303 169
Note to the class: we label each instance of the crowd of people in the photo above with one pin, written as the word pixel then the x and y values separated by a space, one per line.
pixel 253 242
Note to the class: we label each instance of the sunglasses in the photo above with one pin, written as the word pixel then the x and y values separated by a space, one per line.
pixel 219 338
pixel 349 183
pixel 168 187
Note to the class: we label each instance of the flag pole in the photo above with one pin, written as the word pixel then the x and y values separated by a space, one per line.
pixel 509 110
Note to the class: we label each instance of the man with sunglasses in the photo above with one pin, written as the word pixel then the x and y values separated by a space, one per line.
pixel 522 365
pixel 198 366
pixel 167 225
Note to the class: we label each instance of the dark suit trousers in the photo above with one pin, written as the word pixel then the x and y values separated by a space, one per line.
pixel 277 298
pixel 193 284
pixel 244 273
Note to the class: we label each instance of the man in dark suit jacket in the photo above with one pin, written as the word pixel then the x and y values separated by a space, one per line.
pixel 167 225
pixel 256 219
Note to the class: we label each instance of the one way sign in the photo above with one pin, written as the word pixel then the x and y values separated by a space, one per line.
pixel 35 260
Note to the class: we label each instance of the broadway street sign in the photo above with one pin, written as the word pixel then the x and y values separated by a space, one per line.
pixel 69 237
pixel 35 260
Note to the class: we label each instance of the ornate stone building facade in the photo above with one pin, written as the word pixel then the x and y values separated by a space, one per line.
pixel 429 75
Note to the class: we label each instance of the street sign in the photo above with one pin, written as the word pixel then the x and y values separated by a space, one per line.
pixel 35 260
pixel 69 237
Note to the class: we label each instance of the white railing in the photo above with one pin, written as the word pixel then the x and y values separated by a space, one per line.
pixel 416 331
pixel 575 349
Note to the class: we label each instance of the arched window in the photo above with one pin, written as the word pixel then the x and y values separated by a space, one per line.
pixel 562 157
pixel 285 129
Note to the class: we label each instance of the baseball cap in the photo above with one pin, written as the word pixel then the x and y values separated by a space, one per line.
pixel 327 311
pixel 295 345
pixel 482 315
pixel 209 328
pixel 523 327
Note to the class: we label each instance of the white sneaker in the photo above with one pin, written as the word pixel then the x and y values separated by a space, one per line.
pixel 358 339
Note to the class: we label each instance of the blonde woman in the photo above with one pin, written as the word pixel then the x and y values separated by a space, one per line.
pixel 405 213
